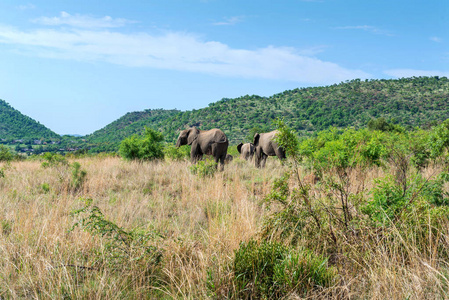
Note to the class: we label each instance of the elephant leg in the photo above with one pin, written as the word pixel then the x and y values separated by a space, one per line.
pixel 264 160
pixel 222 162
pixel 219 151
pixel 195 153
pixel 257 157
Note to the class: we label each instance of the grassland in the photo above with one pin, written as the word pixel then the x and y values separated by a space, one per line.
pixel 194 226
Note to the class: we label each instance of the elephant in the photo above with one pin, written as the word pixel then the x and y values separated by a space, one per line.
pixel 205 142
pixel 246 150
pixel 266 146
pixel 228 158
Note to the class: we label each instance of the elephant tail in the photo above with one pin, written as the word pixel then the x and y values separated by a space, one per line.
pixel 223 140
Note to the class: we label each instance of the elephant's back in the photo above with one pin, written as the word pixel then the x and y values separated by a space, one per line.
pixel 216 134
pixel 248 147
pixel 268 136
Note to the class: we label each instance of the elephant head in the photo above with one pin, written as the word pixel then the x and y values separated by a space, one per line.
pixel 187 136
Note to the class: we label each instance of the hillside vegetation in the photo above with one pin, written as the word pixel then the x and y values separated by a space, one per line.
pixel 410 102
pixel 15 125
pixel 418 101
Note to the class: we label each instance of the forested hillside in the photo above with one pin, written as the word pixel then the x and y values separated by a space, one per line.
pixel 417 101
pixel 15 125
pixel 109 137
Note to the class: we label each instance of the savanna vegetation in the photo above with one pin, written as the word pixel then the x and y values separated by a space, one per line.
pixel 352 213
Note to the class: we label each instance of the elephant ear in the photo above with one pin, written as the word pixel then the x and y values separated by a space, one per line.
pixel 239 147
pixel 192 135
pixel 256 139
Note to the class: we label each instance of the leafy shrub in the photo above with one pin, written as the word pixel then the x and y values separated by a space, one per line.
pixel 439 139
pixel 53 159
pixel 270 270
pixel 389 199
pixel 6 227
pixel 287 139
pixel 122 249
pixel 149 146
pixel 204 168
pixel 174 153
pixel 381 124
pixel 78 176
pixel 45 187
pixel 293 211
pixel 5 154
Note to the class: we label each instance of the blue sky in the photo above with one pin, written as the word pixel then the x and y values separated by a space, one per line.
pixel 76 66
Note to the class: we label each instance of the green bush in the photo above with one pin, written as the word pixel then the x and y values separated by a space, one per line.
pixel 5 154
pixel 439 140
pixel 204 168
pixel 148 146
pixel 270 270
pixel 53 160
pixel 45 187
pixel 121 249
pixel 390 201
pixel 381 124
pixel 173 153
pixel 78 176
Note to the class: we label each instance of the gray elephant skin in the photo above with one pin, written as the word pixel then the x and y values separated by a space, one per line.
pixel 246 150
pixel 205 142
pixel 266 146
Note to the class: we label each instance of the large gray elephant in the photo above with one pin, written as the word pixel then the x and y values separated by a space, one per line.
pixel 246 150
pixel 266 146
pixel 205 142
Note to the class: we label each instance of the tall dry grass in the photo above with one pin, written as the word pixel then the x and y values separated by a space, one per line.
pixel 201 221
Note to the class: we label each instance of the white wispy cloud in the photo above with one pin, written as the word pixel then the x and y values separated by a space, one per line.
pixel 436 39
pixel 175 51
pixel 367 28
pixel 400 73
pixel 229 21
pixel 26 6
pixel 82 21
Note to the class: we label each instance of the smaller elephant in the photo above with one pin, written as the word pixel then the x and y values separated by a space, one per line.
pixel 246 150
pixel 267 146
pixel 228 158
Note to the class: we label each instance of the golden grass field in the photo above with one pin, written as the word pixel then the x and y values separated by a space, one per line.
pixel 201 222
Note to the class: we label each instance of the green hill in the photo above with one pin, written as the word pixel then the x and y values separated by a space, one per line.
pixel 109 137
pixel 417 101
pixel 15 125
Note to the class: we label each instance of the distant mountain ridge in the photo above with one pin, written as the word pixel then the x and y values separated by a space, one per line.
pixel 15 125
pixel 417 101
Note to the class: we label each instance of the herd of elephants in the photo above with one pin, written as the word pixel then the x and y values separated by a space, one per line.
pixel 214 142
